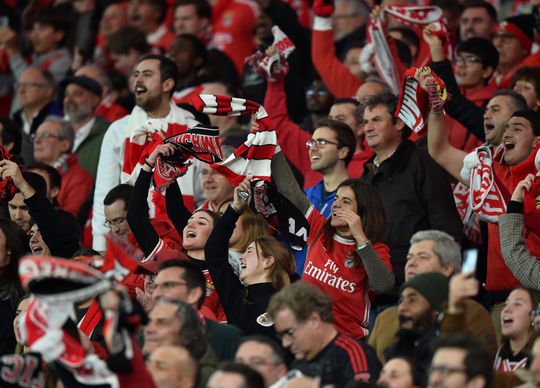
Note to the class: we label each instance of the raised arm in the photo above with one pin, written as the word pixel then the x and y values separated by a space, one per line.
pixel 176 209
pixel 290 136
pixel 61 240
pixel 458 107
pixel 137 214
pixel 286 183
pixel 335 75
pixel 440 149
pixel 216 251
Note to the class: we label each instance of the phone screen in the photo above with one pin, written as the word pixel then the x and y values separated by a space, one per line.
pixel 4 22
pixel 470 257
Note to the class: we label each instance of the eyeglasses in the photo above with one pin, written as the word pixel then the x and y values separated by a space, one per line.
pixel 44 136
pixel 504 38
pixel 445 369
pixel 319 92
pixel 29 85
pixel 114 222
pixel 469 60
pixel 169 285
pixel 320 143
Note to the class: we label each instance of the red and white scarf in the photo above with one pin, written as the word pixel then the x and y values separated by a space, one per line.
pixel 413 15
pixel 254 156
pixel 201 142
pixel 485 198
pixel 273 67
pixel 471 222
pixel 414 101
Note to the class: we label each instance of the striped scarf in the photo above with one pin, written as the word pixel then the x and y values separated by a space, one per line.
pixel 253 157
pixel 417 16
pixel 487 196
pixel 414 100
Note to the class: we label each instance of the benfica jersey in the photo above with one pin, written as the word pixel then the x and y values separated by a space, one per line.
pixel 512 363
pixel 499 276
pixel 346 285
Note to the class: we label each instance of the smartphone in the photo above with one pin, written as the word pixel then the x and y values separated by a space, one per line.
pixel 470 257
pixel 4 22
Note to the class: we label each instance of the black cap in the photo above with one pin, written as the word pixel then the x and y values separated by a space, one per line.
pixel 84 82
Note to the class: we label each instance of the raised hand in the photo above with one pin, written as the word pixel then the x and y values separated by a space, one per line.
pixel 323 8
pixel 525 185
pixel 240 200
pixel 461 287
pixel 434 42
pixel 162 149
pixel 11 169
pixel 376 12
pixel 354 222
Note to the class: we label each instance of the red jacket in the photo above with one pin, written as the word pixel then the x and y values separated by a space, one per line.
pixel 233 22
pixel 77 185
pixel 334 74
pixel 499 277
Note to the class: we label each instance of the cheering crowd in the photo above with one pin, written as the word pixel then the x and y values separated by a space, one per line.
pixel 269 193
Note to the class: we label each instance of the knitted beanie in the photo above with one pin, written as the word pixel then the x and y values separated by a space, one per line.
pixel 431 285
pixel 521 26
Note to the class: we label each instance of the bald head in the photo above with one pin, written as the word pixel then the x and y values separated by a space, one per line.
pixel 172 367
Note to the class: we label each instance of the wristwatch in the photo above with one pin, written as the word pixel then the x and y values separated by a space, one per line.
pixel 362 246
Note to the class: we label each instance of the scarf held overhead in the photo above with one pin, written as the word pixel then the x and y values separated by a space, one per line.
pixel 253 157
pixel 416 16
pixel 201 142
pixel 414 101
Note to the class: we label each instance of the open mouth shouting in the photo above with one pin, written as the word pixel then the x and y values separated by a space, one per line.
pixel 509 145
pixel 140 89
pixel 36 248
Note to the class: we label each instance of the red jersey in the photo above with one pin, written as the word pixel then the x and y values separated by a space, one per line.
pixel 499 277
pixel 347 286
pixel 233 22
pixel 185 95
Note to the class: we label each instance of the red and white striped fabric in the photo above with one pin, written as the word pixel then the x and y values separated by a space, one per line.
pixel 273 67
pixel 413 100
pixel 417 16
pixel 462 193
pixel 136 148
pixel 485 198
pixel 254 156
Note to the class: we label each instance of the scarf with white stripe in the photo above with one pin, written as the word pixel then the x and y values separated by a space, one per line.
pixel 254 156
pixel 275 66
pixel 414 100
pixel 471 221
pixel 487 197
pixel 414 16
pixel 47 327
